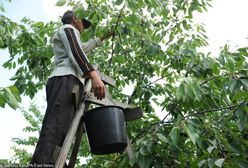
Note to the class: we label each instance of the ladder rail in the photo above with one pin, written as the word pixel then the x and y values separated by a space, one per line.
pixel 69 138
pixel 77 141
pixel 72 130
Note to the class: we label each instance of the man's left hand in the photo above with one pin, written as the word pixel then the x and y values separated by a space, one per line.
pixel 107 35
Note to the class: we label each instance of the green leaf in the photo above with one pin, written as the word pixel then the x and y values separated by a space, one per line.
pixel 132 4
pixel 231 64
pixel 10 98
pixel 201 163
pixel 80 12
pixel 144 162
pixel 171 37
pixel 180 93
pixel 1 43
pixel 232 86
pixel 2 99
pixel 235 148
pixel 118 2
pixel 174 135
pixel 133 160
pixel 240 96
pixel 143 151
pixel 210 149
pixel 123 163
pixel 195 122
pixel 222 59
pixel 191 132
pixel 242 116
pixel 60 3
pixel 189 91
pixel 211 162
pixel 219 162
pixel 242 163
pixel 245 83
pixel 15 92
pixel 162 137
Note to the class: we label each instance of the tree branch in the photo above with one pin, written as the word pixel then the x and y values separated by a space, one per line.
pixel 116 25
pixel 147 129
pixel 149 84
pixel 156 123
pixel 215 77
pixel 210 111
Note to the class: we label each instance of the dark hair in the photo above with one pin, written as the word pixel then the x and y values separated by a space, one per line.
pixel 67 17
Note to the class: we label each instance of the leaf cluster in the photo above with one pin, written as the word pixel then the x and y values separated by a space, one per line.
pixel 156 50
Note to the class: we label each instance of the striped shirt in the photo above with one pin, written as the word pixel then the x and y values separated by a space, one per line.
pixel 70 57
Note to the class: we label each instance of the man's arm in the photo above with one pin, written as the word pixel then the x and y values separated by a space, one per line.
pixel 90 45
pixel 75 52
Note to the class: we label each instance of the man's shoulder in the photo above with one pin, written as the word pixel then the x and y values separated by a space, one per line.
pixel 66 26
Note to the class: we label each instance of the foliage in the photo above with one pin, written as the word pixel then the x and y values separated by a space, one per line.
pixel 3 162
pixel 30 52
pixel 34 118
pixel 11 96
pixel 156 49
pixel 2 7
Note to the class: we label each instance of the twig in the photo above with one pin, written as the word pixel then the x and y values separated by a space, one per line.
pixel 212 78
pixel 116 25
pixel 154 124
pixel 172 108
pixel 149 84
pixel 219 76
pixel 210 111
pixel 174 24
pixel 144 131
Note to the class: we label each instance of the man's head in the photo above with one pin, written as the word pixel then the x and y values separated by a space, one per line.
pixel 69 17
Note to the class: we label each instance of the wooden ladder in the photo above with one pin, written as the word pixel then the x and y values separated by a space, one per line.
pixel 76 129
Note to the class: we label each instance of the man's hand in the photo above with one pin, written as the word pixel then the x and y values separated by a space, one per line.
pixel 98 86
pixel 107 35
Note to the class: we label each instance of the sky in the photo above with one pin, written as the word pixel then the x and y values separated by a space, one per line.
pixel 225 22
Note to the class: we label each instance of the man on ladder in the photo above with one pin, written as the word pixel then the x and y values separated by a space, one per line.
pixel 71 66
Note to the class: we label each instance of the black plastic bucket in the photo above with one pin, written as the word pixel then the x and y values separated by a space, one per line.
pixel 106 130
